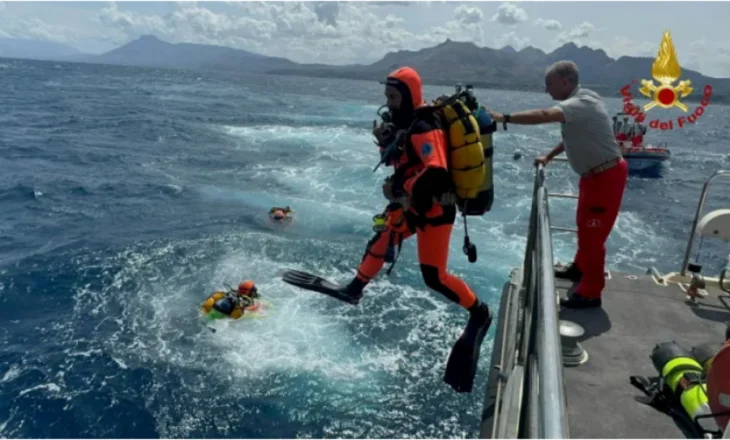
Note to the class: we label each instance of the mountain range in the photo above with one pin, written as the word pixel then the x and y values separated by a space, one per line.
pixel 483 67
pixel 42 50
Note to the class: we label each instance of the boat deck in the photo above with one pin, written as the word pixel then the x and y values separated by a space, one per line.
pixel 637 314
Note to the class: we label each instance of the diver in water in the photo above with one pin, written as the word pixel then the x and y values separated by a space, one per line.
pixel 280 214
pixel 418 194
pixel 230 304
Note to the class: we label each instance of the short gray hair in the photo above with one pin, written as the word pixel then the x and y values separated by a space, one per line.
pixel 564 70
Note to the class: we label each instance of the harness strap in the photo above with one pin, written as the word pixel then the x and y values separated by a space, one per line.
pixel 394 236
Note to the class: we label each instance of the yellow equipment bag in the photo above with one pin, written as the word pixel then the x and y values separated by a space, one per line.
pixel 469 132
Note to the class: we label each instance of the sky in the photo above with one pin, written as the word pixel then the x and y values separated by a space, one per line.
pixel 363 32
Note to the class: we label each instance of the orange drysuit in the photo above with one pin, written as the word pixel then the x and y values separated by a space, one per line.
pixel 421 173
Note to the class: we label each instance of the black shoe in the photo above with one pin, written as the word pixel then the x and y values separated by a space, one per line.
pixel 575 301
pixel 569 272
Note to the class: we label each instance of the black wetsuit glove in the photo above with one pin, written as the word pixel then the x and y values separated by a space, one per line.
pixel 397 181
pixel 435 182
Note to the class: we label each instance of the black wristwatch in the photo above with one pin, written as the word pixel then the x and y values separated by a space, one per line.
pixel 507 117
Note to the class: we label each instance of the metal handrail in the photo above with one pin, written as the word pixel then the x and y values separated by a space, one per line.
pixel 554 422
pixel 542 340
pixel 538 409
pixel 700 207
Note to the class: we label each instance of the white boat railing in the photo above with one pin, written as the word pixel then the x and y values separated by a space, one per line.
pixel 700 208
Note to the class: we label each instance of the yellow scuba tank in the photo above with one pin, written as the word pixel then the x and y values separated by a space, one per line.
pixel 207 305
pixel 469 132
pixel 683 381
pixel 465 150
pixel 470 153
pixel 485 195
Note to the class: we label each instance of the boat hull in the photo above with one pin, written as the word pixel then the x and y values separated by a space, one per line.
pixel 646 160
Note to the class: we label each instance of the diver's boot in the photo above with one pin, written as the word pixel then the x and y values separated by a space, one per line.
pixel 353 290
pixel 464 358
pixel 569 272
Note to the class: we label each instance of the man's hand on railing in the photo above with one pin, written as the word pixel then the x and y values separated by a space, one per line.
pixel 541 160
pixel 551 155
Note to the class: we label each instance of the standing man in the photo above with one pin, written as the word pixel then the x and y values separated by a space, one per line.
pixel 593 153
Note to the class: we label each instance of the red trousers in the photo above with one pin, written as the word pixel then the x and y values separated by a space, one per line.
pixel 599 200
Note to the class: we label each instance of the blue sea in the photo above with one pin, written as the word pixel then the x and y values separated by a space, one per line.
pixel 127 195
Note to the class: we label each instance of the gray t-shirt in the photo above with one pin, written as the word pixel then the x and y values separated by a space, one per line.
pixel 587 131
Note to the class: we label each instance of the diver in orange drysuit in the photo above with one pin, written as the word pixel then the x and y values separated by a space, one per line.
pixel 421 178
pixel 421 175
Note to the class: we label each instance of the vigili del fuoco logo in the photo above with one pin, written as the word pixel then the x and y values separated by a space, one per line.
pixel 665 70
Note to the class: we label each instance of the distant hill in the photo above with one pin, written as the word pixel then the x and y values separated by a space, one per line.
pixel 150 51
pixel 33 49
pixel 513 70
pixel 444 64
pixel 607 75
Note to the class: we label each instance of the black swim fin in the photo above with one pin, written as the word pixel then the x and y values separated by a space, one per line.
pixel 464 358
pixel 318 284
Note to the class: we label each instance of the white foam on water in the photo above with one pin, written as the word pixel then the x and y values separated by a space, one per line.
pixel 372 361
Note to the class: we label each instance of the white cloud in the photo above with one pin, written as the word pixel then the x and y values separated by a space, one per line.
pixel 509 14
pixel 550 25
pixel 623 46
pixel 396 3
pixel 336 33
pixel 580 32
pixel 710 58
pixel 329 32
pixel 327 12
pixel 124 25
pixel 511 39
pixel 468 15
pixel 35 29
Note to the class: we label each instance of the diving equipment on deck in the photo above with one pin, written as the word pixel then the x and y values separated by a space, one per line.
pixel 680 389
